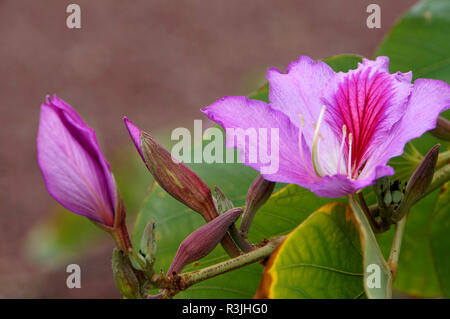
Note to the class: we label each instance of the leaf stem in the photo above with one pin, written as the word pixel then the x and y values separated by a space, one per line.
pixel 396 245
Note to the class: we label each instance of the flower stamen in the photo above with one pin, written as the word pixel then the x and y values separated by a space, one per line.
pixel 341 148
pixel 349 163
pixel 315 162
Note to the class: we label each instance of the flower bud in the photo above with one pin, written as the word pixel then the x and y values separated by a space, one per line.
pixel 442 130
pixel 202 241
pixel 418 183
pixel 396 192
pixel 258 193
pixel 75 171
pixel 382 191
pixel 175 178
pixel 124 276
pixel 148 243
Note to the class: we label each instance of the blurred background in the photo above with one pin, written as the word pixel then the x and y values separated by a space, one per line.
pixel 158 62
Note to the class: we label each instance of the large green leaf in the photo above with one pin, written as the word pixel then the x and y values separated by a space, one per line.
pixel 283 212
pixel 440 239
pixel 420 42
pixel 321 258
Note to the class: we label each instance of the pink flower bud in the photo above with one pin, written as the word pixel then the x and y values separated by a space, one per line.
pixel 176 178
pixel 442 130
pixel 258 193
pixel 202 241
pixel 75 171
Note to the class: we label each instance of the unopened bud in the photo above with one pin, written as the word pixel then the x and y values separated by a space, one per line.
pixel 382 191
pixel 178 179
pixel 202 241
pixel 442 130
pixel 396 192
pixel 124 276
pixel 174 177
pixel 258 193
pixel 418 183
pixel 148 243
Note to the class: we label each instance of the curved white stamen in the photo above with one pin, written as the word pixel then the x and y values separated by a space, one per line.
pixel 349 164
pixel 341 148
pixel 300 132
pixel 300 146
pixel 315 162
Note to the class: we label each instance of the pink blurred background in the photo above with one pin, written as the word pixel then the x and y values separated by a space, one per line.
pixel 158 62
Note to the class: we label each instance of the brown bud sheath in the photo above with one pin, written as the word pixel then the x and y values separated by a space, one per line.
pixel 202 241
pixel 258 193
pixel 442 130
pixel 418 183
pixel 223 202
pixel 177 179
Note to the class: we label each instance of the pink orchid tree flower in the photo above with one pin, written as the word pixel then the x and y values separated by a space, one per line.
pixel 337 131
pixel 75 171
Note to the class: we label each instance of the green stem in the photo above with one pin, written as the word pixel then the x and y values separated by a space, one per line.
pixel 242 242
pixel 396 245
pixel 440 177
pixel 371 251
pixel 443 158
pixel 188 279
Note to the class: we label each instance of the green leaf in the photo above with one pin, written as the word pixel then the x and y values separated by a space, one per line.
pixel 321 258
pixel 419 41
pixel 440 239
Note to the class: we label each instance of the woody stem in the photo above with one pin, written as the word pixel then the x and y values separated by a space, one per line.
pixel 188 279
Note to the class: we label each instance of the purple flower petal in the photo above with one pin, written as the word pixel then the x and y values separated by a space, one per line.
pixel 299 91
pixel 428 99
pixel 340 185
pixel 135 134
pixel 75 171
pixel 240 113
pixel 368 101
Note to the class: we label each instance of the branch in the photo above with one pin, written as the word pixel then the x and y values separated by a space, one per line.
pixel 174 284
